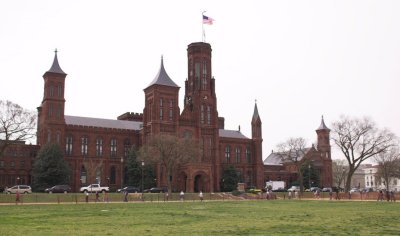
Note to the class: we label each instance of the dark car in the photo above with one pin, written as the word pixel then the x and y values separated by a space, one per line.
pixel 155 190
pixel 129 189
pixel 58 189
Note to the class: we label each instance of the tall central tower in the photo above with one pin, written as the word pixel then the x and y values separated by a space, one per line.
pixel 200 114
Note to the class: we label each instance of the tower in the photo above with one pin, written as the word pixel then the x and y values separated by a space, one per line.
pixel 323 144
pixel 256 135
pixel 51 121
pixel 161 112
pixel 200 114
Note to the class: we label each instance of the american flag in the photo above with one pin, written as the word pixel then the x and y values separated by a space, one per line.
pixel 207 20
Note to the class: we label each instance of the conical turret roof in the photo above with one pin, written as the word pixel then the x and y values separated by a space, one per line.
pixel 255 113
pixel 55 68
pixel 322 126
pixel 162 77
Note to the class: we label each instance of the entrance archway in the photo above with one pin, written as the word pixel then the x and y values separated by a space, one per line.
pixel 182 180
pixel 201 182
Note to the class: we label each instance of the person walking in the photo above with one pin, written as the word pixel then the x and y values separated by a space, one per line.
pixel 126 196
pixel 17 197
pixel 97 196
pixel 201 196
pixel 87 197
pixel 182 196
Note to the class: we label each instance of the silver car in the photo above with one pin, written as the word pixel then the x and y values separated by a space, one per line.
pixel 25 189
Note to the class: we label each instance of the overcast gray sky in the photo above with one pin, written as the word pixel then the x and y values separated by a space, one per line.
pixel 299 59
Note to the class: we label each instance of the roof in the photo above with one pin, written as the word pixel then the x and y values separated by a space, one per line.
pixel 162 77
pixel 231 134
pixel 322 126
pixel 274 159
pixel 255 113
pixel 103 123
pixel 55 68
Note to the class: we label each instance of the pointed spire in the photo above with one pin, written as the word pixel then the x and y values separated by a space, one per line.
pixel 255 113
pixel 162 77
pixel 55 68
pixel 322 126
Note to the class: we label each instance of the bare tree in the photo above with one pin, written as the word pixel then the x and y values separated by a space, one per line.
pixel 16 124
pixel 387 166
pixel 360 139
pixel 339 172
pixel 92 168
pixel 170 151
pixel 293 151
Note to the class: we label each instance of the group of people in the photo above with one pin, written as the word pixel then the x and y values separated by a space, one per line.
pixel 390 195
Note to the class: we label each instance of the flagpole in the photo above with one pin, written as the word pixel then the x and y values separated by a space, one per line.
pixel 203 36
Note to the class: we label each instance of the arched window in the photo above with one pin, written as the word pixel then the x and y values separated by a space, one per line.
pixel 83 175
pixel 228 154
pixel 127 146
pixel 68 145
pixel 84 145
pixel 238 152
pixel 99 147
pixel 248 155
pixel 113 146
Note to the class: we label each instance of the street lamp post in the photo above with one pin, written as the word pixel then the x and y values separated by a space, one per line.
pixel 142 180
pixel 18 180
pixel 309 175
pixel 122 176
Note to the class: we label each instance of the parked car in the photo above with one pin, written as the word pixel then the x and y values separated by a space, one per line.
pixel 327 189
pixel 294 189
pixel 354 190
pixel 314 189
pixel 58 189
pixel 155 190
pixel 129 189
pixel 25 189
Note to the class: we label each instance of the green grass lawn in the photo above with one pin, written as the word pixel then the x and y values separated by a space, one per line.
pixel 257 217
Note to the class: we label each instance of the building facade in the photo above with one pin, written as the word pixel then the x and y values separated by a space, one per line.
pixel 96 149
pixel 320 157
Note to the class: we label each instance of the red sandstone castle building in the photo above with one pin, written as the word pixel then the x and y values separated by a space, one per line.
pixel 108 141
pixel 103 144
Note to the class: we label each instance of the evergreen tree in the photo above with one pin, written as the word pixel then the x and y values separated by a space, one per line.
pixel 229 180
pixel 135 167
pixel 310 175
pixel 50 168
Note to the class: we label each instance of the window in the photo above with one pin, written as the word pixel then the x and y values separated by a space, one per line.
pixel 48 136
pixel 161 109
pixel 50 111
pixel 22 164
pixel 1 163
pixel 197 74
pixel 68 146
pixel 113 151
pixel 84 145
pixel 237 154
pixel 59 111
pixel 51 90
pixel 12 164
pixel 204 79
pixel 227 154
pixel 127 146
pixel 248 155
pixel 171 107
pixel 208 115
pixel 58 137
pixel 83 175
pixel 59 93
pixel 99 147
